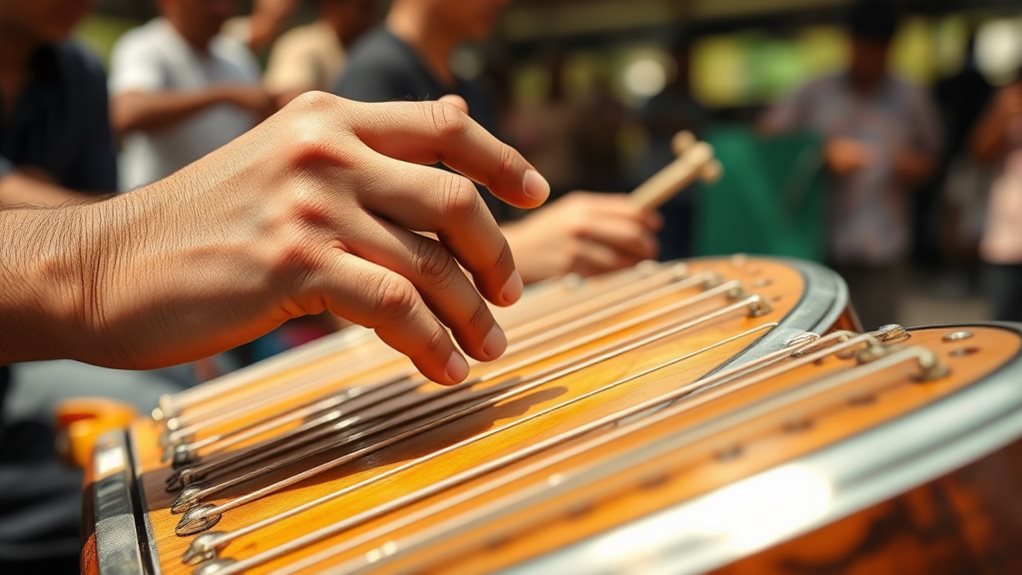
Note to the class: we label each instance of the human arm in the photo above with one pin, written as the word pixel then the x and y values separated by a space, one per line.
pixel 142 98
pixel 583 233
pixel 32 188
pixel 989 141
pixel 146 111
pixel 313 210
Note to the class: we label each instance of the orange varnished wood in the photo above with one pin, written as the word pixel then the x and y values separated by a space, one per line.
pixel 81 422
pixel 965 522
pixel 777 283
pixel 697 469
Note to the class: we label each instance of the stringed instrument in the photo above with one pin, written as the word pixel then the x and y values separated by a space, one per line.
pixel 248 467
pixel 715 414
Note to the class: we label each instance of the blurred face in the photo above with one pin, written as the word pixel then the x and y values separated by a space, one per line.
pixel 869 61
pixel 43 20
pixel 197 20
pixel 472 19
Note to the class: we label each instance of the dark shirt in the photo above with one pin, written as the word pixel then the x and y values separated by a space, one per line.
pixel 383 68
pixel 61 123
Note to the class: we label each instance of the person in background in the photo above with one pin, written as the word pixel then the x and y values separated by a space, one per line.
pixel 882 139
pixel 997 141
pixel 180 90
pixel 263 26
pixel 311 57
pixel 56 149
pixel 408 58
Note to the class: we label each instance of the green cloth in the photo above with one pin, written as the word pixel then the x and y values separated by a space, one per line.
pixel 770 199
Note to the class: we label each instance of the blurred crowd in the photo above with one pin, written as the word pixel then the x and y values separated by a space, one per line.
pixel 908 176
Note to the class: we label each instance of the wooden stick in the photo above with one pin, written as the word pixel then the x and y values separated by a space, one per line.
pixel 695 162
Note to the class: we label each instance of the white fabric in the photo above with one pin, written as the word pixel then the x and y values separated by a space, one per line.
pixel 155 58
pixel 1002 242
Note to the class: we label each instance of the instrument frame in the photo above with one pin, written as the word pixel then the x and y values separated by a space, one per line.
pixel 124 539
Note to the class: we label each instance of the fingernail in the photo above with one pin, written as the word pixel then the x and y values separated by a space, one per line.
pixel 512 289
pixel 457 367
pixel 536 186
pixel 495 342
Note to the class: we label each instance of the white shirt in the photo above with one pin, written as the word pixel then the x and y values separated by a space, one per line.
pixel 155 58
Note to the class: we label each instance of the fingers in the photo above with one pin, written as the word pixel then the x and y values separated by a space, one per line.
pixel 613 221
pixel 628 237
pixel 595 258
pixel 431 132
pixel 619 205
pixel 428 199
pixel 441 283
pixel 376 297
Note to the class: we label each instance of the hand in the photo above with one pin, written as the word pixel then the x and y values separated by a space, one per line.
pixel 254 99
pixel 1009 102
pixel 845 156
pixel 583 233
pixel 274 10
pixel 314 210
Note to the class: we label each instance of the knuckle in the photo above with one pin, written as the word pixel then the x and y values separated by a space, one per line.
pixel 437 340
pixel 395 298
pixel 433 262
pixel 505 259
pixel 314 101
pixel 481 317
pixel 458 197
pixel 507 161
pixel 308 144
pixel 447 120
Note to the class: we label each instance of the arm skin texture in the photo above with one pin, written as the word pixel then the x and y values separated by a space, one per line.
pixel 314 210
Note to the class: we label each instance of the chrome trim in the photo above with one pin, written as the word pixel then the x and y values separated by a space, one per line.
pixel 117 536
pixel 817 313
pixel 143 509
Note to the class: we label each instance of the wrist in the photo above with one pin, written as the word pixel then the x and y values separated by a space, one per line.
pixel 43 289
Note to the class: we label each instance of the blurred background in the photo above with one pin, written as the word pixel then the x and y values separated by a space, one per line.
pixel 591 91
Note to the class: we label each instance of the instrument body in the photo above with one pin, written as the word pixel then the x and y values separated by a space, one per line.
pixel 716 328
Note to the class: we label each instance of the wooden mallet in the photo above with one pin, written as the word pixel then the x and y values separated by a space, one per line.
pixel 695 161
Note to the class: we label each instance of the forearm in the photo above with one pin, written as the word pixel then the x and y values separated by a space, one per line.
pixel 41 287
pixel 988 140
pixel 147 111
pixel 20 189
